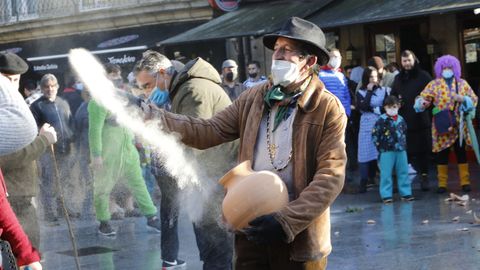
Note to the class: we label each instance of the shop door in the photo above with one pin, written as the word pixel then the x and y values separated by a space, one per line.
pixel 388 39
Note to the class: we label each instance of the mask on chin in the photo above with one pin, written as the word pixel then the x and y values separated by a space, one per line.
pixel 284 72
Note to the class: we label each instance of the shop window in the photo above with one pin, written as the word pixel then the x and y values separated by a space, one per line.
pixel 95 4
pixel 13 10
pixel 471 39
pixel 385 47
pixel 27 9
pixel 471 43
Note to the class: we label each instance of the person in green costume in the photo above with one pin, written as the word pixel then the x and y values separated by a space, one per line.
pixel 114 156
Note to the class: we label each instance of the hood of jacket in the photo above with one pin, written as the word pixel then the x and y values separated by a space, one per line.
pixel 196 68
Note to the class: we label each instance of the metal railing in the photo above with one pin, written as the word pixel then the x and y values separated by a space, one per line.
pixel 13 11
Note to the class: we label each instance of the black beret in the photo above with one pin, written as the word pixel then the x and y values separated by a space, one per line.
pixel 12 64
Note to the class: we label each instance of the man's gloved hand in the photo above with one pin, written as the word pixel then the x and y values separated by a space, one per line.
pixel 265 230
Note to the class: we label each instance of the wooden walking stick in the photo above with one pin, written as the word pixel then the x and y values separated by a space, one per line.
pixel 64 208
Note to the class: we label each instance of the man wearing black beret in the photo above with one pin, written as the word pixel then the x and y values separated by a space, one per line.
pixel 12 66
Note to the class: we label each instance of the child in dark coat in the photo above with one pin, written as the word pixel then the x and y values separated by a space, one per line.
pixel 389 137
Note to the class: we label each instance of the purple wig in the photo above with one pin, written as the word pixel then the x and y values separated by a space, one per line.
pixel 448 61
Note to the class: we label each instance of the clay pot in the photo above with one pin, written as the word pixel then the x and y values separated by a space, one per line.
pixel 250 194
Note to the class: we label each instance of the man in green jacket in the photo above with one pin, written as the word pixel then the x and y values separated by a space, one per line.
pixel 194 91
pixel 114 156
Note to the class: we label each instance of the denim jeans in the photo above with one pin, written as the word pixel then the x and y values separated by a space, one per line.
pixel 215 245
pixel 169 210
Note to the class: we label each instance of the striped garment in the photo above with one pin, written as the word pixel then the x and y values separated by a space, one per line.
pixel 17 125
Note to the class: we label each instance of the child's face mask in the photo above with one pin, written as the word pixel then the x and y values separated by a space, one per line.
pixel 392 110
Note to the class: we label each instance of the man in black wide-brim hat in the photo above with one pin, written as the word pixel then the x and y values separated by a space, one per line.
pixel 293 127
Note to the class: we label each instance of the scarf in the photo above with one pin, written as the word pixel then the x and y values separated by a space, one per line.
pixel 286 101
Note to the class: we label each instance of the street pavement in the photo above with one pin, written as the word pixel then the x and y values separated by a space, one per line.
pixel 428 233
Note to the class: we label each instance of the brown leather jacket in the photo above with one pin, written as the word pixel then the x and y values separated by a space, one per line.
pixel 319 157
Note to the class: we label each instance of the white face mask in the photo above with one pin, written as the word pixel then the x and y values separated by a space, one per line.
pixel 284 72
pixel 391 111
pixel 78 86
pixel 335 62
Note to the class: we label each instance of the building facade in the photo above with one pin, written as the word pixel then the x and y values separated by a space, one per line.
pixel 116 31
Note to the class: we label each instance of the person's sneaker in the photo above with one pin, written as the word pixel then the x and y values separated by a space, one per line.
pixel 177 264
pixel 466 188
pixel 411 170
pixel 106 230
pixel 153 222
pixel 387 200
pixel 441 190
pixel 408 198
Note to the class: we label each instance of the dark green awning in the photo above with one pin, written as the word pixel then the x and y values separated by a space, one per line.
pixel 250 20
pixel 348 12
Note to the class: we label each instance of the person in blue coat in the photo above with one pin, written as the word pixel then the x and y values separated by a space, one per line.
pixel 337 83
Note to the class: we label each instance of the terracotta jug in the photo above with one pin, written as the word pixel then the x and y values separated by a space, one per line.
pixel 250 194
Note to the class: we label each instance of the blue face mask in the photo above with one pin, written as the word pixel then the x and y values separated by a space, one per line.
pixel 158 97
pixel 447 73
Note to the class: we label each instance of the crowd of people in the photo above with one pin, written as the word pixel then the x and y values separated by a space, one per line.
pixel 301 123
pixel 394 121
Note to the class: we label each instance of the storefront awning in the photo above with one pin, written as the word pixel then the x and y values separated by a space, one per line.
pixel 348 12
pixel 250 20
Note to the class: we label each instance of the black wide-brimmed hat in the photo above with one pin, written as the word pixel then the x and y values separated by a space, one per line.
pixel 12 64
pixel 303 31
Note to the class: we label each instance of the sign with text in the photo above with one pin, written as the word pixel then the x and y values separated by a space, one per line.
pixel 224 5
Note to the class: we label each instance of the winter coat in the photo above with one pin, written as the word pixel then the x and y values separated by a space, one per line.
pixel 388 134
pixel 370 104
pixel 407 86
pixel 73 97
pixel 11 231
pixel 17 125
pixel 58 115
pixel 195 91
pixel 318 158
pixel 20 169
pixel 234 92
pixel 337 84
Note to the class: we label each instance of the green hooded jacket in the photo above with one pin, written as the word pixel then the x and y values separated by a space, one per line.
pixel 195 91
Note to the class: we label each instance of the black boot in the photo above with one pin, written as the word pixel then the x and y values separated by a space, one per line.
pixel 424 185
